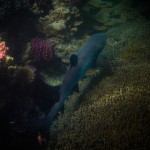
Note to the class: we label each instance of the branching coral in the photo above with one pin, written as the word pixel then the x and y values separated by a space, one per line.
pixel 136 52
pixel 128 42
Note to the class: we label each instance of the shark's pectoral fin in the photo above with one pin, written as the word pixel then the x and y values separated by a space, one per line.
pixel 76 88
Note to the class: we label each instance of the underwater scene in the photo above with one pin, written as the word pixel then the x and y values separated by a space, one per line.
pixel 75 74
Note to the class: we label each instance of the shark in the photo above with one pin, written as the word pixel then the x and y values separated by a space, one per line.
pixel 80 62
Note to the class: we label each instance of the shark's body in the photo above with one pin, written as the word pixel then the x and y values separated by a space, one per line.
pixel 87 57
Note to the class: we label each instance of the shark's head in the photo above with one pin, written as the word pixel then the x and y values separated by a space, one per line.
pixel 99 39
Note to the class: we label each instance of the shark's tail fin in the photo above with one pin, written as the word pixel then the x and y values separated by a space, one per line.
pixel 53 112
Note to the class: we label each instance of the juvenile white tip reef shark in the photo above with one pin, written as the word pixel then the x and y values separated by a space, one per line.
pixel 81 61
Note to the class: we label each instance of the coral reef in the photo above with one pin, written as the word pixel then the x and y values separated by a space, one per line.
pixel 12 76
pixel 113 113
pixel 101 15
pixel 43 4
pixel 39 6
pixel 128 44
pixel 52 78
pixel 61 21
pixel 136 52
pixel 5 60
pixel 8 7
pixel 24 75
pixel 111 117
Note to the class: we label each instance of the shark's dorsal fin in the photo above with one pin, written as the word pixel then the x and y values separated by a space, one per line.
pixel 76 52
pixel 73 60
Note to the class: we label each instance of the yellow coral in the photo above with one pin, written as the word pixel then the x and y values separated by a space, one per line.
pixel 9 59
pixel 60 20
pixel 136 52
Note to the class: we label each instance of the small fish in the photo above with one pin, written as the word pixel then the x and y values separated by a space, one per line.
pixel 40 138
pixel 12 122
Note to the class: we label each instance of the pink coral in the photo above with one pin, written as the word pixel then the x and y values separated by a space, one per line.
pixel 3 50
